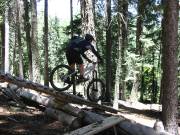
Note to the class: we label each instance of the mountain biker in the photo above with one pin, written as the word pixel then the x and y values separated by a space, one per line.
pixel 75 51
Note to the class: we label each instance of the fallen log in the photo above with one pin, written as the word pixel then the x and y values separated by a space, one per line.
pixel 140 106
pixel 66 119
pixel 91 117
pixel 60 96
pixel 133 128
pixel 128 127
pixel 50 101
pixel 125 126
pixel 152 110
pixel 96 127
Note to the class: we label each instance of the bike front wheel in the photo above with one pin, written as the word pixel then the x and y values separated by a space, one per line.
pixel 96 90
pixel 60 78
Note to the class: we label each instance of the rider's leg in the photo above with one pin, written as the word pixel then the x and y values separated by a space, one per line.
pixel 81 68
pixel 72 66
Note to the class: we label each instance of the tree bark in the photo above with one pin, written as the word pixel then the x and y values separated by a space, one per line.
pixel 27 28
pixel 108 51
pixel 97 127
pixel 87 16
pixel 71 16
pixel 20 50
pixel 46 69
pixel 34 45
pixel 169 83
pixel 118 75
pixel 5 47
pixel 66 119
pixel 124 46
pixel 49 101
pixel 1 44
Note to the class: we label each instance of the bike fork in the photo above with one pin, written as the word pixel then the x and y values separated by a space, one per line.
pixel 74 85
pixel 95 77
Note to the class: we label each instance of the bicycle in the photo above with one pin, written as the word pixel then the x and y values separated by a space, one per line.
pixel 63 77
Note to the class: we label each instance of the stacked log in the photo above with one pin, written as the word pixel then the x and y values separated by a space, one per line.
pixel 60 96
pixel 58 106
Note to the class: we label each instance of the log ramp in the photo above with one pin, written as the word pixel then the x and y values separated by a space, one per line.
pixel 60 105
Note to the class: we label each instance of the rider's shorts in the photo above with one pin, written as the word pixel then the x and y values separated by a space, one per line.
pixel 73 57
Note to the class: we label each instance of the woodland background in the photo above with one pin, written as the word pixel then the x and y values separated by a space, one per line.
pixel 138 40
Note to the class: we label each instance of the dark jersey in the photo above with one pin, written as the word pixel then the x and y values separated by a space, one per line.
pixel 82 47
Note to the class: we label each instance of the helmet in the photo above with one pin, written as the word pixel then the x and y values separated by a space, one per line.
pixel 89 37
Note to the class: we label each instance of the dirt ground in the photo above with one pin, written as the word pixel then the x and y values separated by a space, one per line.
pixel 17 120
pixel 30 120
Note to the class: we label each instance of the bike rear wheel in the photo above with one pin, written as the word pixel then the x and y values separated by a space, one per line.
pixel 96 90
pixel 60 78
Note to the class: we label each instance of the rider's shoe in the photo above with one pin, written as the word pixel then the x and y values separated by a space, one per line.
pixel 68 81
pixel 80 95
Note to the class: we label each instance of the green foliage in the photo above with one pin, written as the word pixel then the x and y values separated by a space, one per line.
pixel 76 28
pixel 148 64
pixel 57 42
pixel 2 6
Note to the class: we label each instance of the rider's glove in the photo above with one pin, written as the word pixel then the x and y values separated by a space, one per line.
pixel 89 61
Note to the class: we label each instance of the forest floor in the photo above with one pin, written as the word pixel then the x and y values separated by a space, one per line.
pixel 30 120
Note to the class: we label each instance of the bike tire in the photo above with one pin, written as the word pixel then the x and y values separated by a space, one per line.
pixel 99 93
pixel 56 77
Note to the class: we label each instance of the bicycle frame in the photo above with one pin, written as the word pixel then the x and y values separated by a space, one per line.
pixel 68 78
pixel 90 68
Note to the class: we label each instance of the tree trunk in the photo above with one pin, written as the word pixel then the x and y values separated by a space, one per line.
pixel 169 84
pixel 136 84
pixel 71 15
pixel 118 76
pixel 87 16
pixel 5 47
pixel 88 22
pixel 34 45
pixel 124 46
pixel 27 28
pixel 14 59
pixel 2 45
pixel 108 51
pixel 46 71
pixel 154 82
pixel 18 15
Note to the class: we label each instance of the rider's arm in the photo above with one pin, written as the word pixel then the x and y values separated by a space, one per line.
pixel 96 53
pixel 86 58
